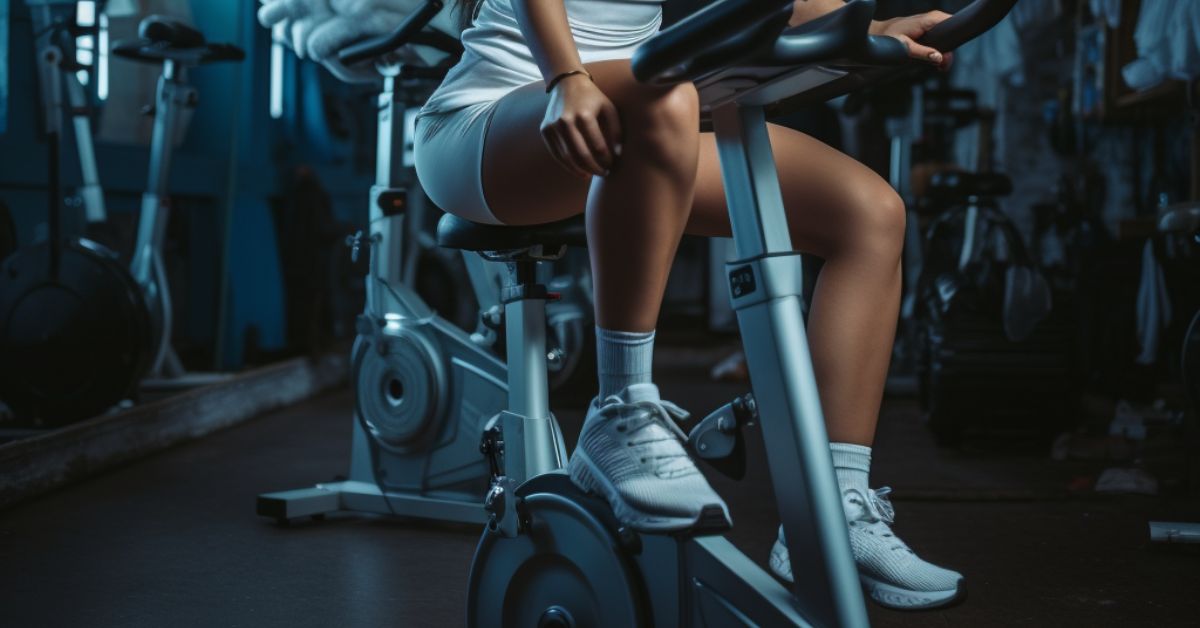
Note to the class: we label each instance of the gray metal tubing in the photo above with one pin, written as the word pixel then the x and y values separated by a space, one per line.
pixel 386 232
pixel 768 305
pixel 90 191
pixel 147 267
pixel 528 392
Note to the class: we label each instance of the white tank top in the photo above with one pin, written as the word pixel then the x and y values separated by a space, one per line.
pixel 497 60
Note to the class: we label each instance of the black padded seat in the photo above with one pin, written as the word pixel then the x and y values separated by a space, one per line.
pixel 458 233
pixel 953 185
pixel 162 29
pixel 161 38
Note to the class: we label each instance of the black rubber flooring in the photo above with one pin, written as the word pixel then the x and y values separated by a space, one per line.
pixel 173 541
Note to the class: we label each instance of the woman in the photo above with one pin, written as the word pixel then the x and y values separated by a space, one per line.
pixel 542 119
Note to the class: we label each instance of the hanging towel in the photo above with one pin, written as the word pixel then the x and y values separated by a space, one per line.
pixel 1153 306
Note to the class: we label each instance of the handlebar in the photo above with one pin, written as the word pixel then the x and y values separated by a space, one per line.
pixel 972 21
pixel 835 34
pixel 729 31
pixel 409 31
pixel 724 34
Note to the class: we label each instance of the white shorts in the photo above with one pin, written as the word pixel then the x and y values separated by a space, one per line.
pixel 448 150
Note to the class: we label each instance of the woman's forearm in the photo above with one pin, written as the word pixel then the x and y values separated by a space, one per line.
pixel 548 35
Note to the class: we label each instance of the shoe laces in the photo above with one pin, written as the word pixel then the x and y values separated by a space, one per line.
pixel 632 420
pixel 876 510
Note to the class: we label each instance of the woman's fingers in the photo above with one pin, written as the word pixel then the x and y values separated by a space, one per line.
pixel 597 144
pixel 947 62
pixel 926 22
pixel 922 52
pixel 560 151
pixel 932 18
pixel 578 147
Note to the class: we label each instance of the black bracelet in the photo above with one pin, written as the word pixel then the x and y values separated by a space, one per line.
pixel 558 79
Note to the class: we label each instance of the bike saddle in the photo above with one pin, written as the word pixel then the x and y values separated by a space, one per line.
pixel 458 233
pixel 162 39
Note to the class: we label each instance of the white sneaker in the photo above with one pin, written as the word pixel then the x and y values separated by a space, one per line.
pixel 631 452
pixel 891 573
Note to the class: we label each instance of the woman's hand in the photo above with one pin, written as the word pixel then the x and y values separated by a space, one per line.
pixel 909 29
pixel 582 129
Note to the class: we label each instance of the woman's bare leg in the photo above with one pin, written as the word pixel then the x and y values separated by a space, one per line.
pixel 636 214
pixel 843 212
pixel 838 210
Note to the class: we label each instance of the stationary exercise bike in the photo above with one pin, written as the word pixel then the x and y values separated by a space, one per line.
pixel 554 556
pixel 426 389
pixel 79 330
pixel 178 48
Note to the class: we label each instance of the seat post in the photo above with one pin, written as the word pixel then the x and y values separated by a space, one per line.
pixel 525 337
pixel 533 443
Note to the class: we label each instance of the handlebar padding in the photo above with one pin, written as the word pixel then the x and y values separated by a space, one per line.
pixel 726 31
pixel 837 33
pixel 376 47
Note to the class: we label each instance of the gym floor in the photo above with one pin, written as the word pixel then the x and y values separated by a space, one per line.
pixel 173 540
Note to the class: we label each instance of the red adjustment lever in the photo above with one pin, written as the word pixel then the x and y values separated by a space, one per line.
pixel 553 296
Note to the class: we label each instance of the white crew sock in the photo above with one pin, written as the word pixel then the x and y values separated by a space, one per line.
pixel 624 358
pixel 852 465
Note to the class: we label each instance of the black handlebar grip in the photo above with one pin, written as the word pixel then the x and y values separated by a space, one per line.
pixel 379 46
pixel 669 56
pixel 972 21
pixel 835 34
pixel 439 40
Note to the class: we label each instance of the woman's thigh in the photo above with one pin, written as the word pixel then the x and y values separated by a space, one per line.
pixel 522 182
pixel 830 197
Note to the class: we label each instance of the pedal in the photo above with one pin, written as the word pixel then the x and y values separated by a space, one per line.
pixel 712 520
pixel 719 439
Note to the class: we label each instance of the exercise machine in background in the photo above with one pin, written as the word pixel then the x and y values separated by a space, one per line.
pixel 80 329
pixel 178 48
pixel 424 386
pixel 75 335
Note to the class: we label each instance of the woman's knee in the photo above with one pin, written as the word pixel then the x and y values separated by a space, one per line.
pixel 882 218
pixel 661 126
pixel 874 224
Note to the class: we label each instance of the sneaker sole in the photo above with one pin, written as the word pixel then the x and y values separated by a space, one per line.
pixel 883 594
pixel 894 597
pixel 712 518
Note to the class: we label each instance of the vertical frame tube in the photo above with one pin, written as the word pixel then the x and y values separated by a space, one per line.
pixel 767 287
